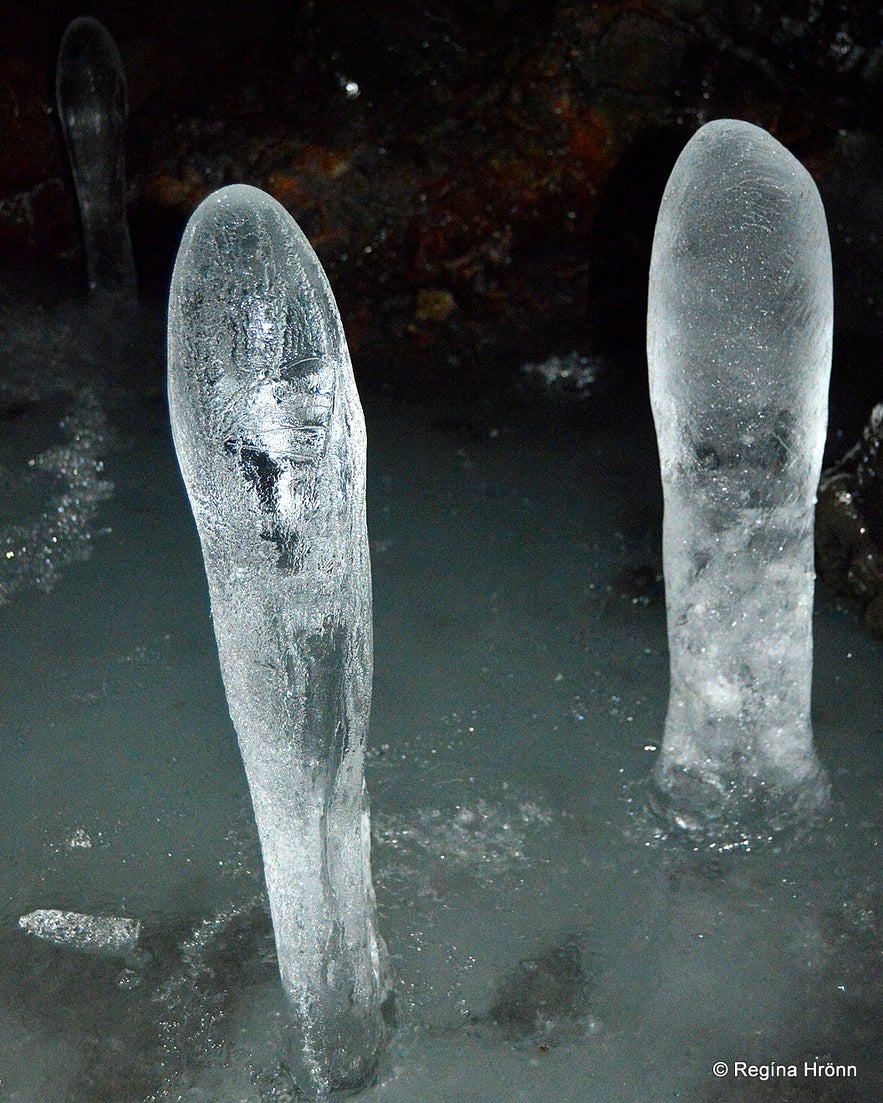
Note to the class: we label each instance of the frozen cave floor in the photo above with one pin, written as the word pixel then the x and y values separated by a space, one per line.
pixel 550 939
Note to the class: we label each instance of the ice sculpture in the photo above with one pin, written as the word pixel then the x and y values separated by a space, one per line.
pixel 90 89
pixel 739 348
pixel 271 441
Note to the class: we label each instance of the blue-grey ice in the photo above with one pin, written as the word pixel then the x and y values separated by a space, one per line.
pixel 739 349
pixel 271 442
pixel 90 90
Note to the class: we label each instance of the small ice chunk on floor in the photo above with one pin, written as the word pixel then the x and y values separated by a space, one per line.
pixel 105 935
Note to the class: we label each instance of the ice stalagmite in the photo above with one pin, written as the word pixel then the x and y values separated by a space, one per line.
pixel 739 349
pixel 90 88
pixel 271 441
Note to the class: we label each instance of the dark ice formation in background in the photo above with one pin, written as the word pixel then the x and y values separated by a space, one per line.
pixel 270 438
pixel 92 106
pixel 494 185
pixel 739 335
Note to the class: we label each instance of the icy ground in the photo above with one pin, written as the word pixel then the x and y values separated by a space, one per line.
pixel 549 944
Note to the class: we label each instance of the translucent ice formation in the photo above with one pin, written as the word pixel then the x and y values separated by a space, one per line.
pixel 271 441
pixel 90 88
pixel 739 348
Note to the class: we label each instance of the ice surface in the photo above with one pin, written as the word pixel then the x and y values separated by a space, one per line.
pixel 92 106
pixel 107 935
pixel 522 666
pixel 271 442
pixel 34 549
pixel 739 349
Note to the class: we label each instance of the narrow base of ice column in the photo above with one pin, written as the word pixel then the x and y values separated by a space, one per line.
pixel 333 963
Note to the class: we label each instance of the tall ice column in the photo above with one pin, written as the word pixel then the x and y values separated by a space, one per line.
pixel 271 442
pixel 739 349
pixel 90 87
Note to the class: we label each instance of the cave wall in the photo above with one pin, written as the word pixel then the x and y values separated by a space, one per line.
pixel 481 181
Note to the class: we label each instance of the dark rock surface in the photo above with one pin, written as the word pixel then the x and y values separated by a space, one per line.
pixel 481 182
